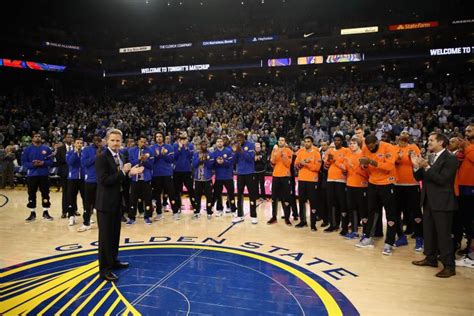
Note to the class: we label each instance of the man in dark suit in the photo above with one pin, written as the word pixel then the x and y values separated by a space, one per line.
pixel 63 170
pixel 112 171
pixel 438 202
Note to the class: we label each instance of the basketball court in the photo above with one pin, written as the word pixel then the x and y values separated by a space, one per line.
pixel 211 267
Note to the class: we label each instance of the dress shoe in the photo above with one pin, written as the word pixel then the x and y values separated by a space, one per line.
pixel 425 263
pixel 331 229
pixel 287 222
pixel 109 276
pixel 301 224
pixel 121 265
pixel 446 272
pixel 272 220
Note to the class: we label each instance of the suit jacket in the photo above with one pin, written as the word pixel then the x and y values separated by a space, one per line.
pixel 438 183
pixel 109 183
pixel 61 161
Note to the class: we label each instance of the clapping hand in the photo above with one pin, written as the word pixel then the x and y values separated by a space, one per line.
pixel 422 163
pixel 364 161
pixel 38 163
pixel 144 157
pixel 135 170
pixel 127 167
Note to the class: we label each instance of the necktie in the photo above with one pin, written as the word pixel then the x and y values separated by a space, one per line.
pixel 431 159
pixel 117 162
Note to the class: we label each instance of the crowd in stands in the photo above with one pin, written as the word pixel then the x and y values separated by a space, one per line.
pixel 263 112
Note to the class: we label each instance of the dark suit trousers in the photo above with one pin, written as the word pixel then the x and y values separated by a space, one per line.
pixel 64 198
pixel 437 235
pixel 109 237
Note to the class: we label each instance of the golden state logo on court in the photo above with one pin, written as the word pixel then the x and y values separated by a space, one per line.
pixel 171 279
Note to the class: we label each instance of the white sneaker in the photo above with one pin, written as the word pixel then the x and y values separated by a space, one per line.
pixel 176 217
pixel 465 262
pixel 72 220
pixel 197 215
pixel 92 221
pixel 83 228
pixel 254 220
pixel 158 217
pixel 237 219
pixel 219 213
pixel 387 250
pixel 365 243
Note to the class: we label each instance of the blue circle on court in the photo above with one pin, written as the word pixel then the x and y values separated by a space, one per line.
pixel 170 279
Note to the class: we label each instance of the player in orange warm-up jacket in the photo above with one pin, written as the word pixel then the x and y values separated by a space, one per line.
pixel 357 182
pixel 336 183
pixel 308 164
pixel 281 161
pixel 379 159
pixel 407 192
pixel 465 182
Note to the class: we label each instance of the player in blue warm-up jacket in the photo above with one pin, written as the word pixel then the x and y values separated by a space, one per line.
pixel 183 155
pixel 224 169
pixel 162 181
pixel 75 179
pixel 203 164
pixel 88 157
pixel 244 156
pixel 140 187
pixel 37 159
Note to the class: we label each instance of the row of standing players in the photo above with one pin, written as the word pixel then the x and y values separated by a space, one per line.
pixel 345 187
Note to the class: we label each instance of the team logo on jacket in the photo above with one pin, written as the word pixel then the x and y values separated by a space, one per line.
pixel 246 148
pixel 43 152
pixel 225 156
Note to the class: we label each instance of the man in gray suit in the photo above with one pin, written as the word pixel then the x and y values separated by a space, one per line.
pixel 438 202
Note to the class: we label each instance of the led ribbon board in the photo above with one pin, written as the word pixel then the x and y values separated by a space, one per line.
pixel 22 64
pixel 344 58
